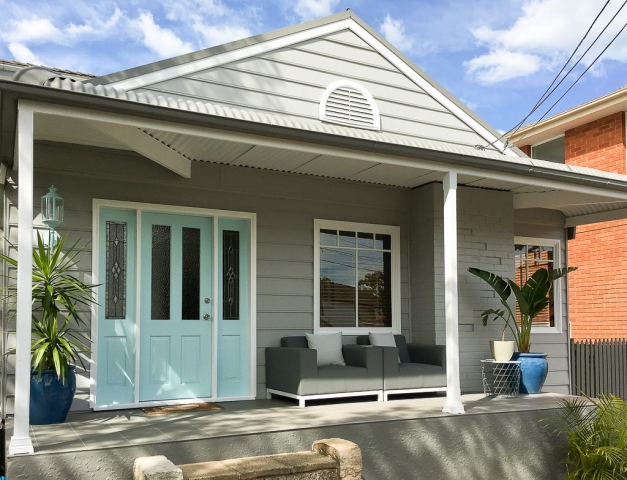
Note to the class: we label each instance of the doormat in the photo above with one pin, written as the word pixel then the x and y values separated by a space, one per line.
pixel 188 407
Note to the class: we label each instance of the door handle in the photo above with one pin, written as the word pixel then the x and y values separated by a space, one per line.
pixel 206 316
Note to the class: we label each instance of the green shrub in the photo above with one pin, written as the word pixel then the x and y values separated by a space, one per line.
pixel 597 437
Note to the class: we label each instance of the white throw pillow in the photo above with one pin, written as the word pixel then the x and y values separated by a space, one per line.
pixel 328 346
pixel 383 340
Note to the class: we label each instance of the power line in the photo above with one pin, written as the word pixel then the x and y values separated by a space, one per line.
pixel 551 89
pixel 548 92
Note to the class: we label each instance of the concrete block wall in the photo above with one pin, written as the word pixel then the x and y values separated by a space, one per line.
pixel 485 240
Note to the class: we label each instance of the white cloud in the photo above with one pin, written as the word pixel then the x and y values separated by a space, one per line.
pixel 219 34
pixel 33 30
pixel 160 40
pixel 545 34
pixel 394 32
pixel 502 65
pixel 310 9
pixel 22 53
pixel 96 28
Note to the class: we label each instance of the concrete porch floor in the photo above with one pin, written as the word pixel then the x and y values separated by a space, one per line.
pixel 412 429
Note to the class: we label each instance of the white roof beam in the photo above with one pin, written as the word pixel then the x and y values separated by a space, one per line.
pixel 557 199
pixel 146 145
pixel 618 214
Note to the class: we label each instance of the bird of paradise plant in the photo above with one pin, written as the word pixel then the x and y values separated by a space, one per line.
pixel 532 298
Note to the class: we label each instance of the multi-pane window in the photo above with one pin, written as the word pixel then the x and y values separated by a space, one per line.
pixel 529 257
pixel 356 285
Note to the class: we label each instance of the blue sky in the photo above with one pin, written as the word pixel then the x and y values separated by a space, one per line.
pixel 497 57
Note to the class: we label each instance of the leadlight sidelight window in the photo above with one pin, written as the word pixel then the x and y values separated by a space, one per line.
pixel 115 284
pixel 529 259
pixel 230 275
pixel 160 275
pixel 355 279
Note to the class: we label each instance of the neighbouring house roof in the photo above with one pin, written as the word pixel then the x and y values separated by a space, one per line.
pixel 559 123
pixel 12 66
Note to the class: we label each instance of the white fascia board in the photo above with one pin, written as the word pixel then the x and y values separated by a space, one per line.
pixel 428 87
pixel 231 56
pixel 370 157
pixel 619 214
pixel 558 199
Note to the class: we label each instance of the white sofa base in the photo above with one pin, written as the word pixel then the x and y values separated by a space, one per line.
pixel 302 398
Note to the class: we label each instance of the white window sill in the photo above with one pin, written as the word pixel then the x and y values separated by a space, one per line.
pixel 545 330
pixel 355 330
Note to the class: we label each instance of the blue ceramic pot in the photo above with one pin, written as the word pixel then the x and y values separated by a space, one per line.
pixel 50 400
pixel 533 368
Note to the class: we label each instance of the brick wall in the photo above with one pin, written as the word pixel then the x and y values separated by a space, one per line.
pixel 598 304
pixel 598 300
pixel 599 144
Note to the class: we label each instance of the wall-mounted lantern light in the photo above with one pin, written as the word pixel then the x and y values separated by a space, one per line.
pixel 52 212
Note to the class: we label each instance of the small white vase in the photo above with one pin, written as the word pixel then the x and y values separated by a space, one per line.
pixel 502 351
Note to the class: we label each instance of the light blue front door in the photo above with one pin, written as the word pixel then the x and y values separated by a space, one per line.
pixel 155 316
pixel 176 307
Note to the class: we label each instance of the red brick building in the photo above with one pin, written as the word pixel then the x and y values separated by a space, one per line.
pixel 591 135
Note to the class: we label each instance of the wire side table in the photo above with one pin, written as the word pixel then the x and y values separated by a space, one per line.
pixel 500 378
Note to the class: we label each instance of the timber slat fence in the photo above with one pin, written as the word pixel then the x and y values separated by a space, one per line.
pixel 599 367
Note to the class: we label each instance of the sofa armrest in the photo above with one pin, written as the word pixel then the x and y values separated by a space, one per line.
pixel 360 356
pixel 430 354
pixel 390 361
pixel 287 367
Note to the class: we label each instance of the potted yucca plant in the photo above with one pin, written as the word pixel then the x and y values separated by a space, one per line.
pixel 55 345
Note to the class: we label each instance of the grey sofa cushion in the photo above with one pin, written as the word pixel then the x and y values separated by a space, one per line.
pixel 294 342
pixel 416 375
pixel 401 344
pixel 328 346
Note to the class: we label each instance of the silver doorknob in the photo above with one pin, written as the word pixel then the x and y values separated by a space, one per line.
pixel 206 316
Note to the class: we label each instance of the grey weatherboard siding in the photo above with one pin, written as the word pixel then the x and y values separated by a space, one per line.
pixel 286 205
pixel 290 82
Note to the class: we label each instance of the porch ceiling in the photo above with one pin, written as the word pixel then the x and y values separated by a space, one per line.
pixel 577 208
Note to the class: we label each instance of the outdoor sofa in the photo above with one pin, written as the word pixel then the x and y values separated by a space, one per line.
pixel 292 370
pixel 411 367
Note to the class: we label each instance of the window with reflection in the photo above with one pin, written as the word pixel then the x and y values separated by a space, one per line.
pixel 355 278
pixel 528 258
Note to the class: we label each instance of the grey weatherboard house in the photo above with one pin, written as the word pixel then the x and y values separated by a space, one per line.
pixel 252 191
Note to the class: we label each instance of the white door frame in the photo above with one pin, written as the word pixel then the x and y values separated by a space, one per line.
pixel 97 204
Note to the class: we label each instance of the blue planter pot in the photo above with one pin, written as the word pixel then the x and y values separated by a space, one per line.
pixel 50 400
pixel 534 368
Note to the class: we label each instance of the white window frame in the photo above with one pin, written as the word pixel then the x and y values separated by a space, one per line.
pixel 557 285
pixel 395 236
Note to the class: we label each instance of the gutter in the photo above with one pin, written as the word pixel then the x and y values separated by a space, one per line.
pixel 11 91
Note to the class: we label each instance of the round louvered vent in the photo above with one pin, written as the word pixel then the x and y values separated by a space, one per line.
pixel 348 103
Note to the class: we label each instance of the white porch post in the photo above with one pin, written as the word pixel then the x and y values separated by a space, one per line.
pixel 453 402
pixel 21 441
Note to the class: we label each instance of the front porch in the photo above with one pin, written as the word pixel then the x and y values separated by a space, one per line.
pixel 404 438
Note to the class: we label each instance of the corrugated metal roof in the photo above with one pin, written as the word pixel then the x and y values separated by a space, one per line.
pixel 316 126
pixel 14 66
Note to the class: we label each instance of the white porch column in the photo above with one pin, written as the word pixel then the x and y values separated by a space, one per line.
pixel 453 402
pixel 21 441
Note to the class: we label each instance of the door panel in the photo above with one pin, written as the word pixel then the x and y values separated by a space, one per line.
pixel 233 308
pixel 115 359
pixel 176 270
